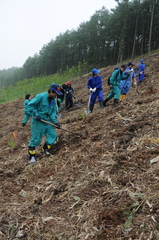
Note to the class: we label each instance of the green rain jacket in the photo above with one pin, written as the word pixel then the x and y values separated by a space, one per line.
pixel 40 105
pixel 116 77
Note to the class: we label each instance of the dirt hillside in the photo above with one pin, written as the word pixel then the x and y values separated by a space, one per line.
pixel 101 185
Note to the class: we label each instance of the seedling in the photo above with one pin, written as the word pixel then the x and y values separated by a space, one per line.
pixel 83 116
pixel 11 144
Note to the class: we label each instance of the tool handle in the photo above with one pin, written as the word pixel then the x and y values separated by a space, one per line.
pixel 72 94
pixel 60 127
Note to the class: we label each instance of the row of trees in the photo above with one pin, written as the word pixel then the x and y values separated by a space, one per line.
pixel 38 84
pixel 107 38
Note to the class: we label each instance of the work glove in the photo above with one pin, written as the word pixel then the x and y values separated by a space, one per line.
pixel 58 125
pixel 129 71
pixel 94 89
pixel 110 87
pixel 38 118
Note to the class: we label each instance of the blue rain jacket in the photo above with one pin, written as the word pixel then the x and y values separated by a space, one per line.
pixel 95 82
pixel 126 84
pixel 141 68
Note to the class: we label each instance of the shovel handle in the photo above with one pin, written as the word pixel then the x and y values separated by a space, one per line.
pixel 59 128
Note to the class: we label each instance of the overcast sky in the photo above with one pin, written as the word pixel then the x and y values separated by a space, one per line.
pixel 26 25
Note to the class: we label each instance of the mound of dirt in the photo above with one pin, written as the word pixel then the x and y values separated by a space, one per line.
pixel 101 185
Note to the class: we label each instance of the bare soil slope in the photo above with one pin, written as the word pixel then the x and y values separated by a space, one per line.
pixel 102 185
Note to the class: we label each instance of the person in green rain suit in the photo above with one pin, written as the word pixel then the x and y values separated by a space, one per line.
pixel 26 116
pixel 115 79
pixel 43 107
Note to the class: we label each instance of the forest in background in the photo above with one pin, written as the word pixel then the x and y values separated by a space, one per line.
pixel 38 84
pixel 129 30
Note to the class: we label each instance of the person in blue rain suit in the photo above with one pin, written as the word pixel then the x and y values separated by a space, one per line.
pixel 26 116
pixel 69 93
pixel 141 68
pixel 115 79
pixel 94 84
pixel 43 107
pixel 60 98
pixel 125 85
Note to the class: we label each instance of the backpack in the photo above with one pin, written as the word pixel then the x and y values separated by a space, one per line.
pixel 108 80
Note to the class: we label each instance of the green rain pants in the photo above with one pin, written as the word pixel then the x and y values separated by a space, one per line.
pixel 114 93
pixel 40 129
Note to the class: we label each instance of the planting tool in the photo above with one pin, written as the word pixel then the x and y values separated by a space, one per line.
pixel 87 111
pixel 78 103
pixel 137 89
pixel 77 134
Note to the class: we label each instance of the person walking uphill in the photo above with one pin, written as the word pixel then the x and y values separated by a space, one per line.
pixel 115 79
pixel 141 68
pixel 125 85
pixel 94 84
pixel 26 116
pixel 43 107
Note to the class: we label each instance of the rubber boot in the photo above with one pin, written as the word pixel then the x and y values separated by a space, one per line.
pixel 116 102
pixel 105 101
pixel 91 108
pixel 101 105
pixel 122 96
pixel 46 149
pixel 31 151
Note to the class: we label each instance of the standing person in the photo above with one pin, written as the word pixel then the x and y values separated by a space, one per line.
pixel 141 68
pixel 69 94
pixel 94 84
pixel 60 98
pixel 126 84
pixel 115 79
pixel 26 116
pixel 43 107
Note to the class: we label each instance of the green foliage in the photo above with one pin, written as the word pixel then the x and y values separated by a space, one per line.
pixel 12 229
pixel 128 222
pixel 83 116
pixel 11 144
pixel 37 85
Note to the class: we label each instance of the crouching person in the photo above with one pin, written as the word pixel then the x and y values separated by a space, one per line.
pixel 43 107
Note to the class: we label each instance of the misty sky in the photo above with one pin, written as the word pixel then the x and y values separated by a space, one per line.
pixel 26 25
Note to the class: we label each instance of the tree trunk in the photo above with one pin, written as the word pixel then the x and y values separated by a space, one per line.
pixel 134 43
pixel 150 35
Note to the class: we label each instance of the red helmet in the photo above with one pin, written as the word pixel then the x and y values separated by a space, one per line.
pixel 68 83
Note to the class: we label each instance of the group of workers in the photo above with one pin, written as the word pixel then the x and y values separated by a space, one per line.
pixel 43 108
pixel 120 83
